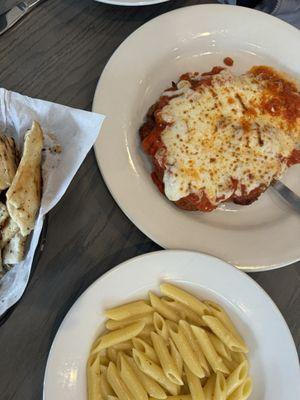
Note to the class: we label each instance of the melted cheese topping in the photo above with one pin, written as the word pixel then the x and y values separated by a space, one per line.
pixel 212 138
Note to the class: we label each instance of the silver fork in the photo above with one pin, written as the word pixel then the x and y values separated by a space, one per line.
pixel 287 194
pixel 10 17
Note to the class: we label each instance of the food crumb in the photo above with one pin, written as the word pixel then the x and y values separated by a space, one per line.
pixel 228 61
pixel 55 149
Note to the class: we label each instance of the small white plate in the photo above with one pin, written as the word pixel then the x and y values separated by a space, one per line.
pixel 272 354
pixel 132 2
pixel 261 236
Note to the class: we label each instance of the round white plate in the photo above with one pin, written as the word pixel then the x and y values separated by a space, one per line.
pixel 272 353
pixel 132 2
pixel 261 236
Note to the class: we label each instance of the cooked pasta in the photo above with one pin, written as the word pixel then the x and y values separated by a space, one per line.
pixel 112 325
pixel 184 297
pixel 163 308
pixel 178 397
pixel 209 351
pixel 118 336
pixel 186 351
pixel 112 354
pixel 128 310
pixel 217 311
pixel 194 384
pixel 224 334
pixel 166 361
pixel 231 365
pixel 117 384
pixel 187 330
pixel 123 346
pixel 176 356
pixel 93 377
pixel 220 391
pixel 185 312
pixel 174 347
pixel 154 371
pixel 104 360
pixel 131 380
pixel 237 377
pixel 150 385
pixel 220 347
pixel 243 391
pixel 238 357
pixel 209 388
pixel 105 387
pixel 160 325
pixel 145 348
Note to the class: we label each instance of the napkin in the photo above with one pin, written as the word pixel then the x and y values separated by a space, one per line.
pixel 69 135
pixel 288 10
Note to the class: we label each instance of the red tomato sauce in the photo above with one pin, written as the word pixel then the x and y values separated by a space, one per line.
pixel 281 96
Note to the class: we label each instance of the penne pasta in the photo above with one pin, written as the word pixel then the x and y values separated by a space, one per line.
pixel 184 297
pixel 165 359
pixel 112 354
pixel 118 336
pixel 150 385
pixel 93 378
pixel 104 360
pixel 146 334
pixel 154 371
pixel 209 388
pixel 128 310
pixel 160 325
pixel 123 346
pixel 217 311
pixel 238 357
pixel 176 357
pixel 243 391
pixel 131 380
pixel 105 387
pixel 174 347
pixel 231 365
pixel 103 369
pixel 178 397
pixel 194 384
pixel 185 312
pixel 147 330
pixel 117 383
pixel 187 331
pixel 173 304
pixel 163 309
pixel 237 377
pixel 185 349
pixel 145 348
pixel 112 325
pixel 209 351
pixel 224 334
pixel 219 346
pixel 220 387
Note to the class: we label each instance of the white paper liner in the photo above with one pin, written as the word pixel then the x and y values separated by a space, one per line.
pixel 75 131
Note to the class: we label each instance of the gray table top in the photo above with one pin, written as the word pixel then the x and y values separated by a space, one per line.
pixel 57 53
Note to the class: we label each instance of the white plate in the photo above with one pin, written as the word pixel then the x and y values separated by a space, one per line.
pixel 261 236
pixel 273 356
pixel 132 2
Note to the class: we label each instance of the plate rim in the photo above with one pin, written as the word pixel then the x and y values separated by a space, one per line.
pixel 132 3
pixel 166 253
pixel 131 216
